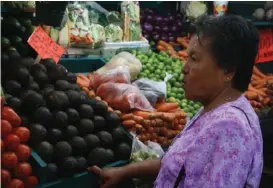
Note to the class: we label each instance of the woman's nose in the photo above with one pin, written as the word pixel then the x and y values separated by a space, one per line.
pixel 185 69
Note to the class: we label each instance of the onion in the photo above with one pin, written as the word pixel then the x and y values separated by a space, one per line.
pixel 164 37
pixel 158 19
pixel 149 18
pixel 174 29
pixel 166 19
pixel 179 24
pixel 171 18
pixel 179 16
pixel 148 27
pixel 146 36
pixel 171 39
pixel 165 29
pixel 156 36
pixel 157 28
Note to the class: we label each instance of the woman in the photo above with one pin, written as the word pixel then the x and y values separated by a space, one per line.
pixel 221 147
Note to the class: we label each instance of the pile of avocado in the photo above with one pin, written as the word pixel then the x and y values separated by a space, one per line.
pixel 15 34
pixel 69 130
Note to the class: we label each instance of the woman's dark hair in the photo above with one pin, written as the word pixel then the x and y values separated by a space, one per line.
pixel 234 44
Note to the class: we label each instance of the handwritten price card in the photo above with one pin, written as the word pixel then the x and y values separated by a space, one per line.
pixel 265 52
pixel 44 45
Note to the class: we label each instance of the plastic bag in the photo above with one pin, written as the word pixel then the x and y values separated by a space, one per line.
pixel 141 152
pixel 123 59
pixel 123 97
pixel 117 75
pixel 131 15
pixel 153 90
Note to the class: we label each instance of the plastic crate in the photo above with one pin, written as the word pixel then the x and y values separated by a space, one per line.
pixel 82 65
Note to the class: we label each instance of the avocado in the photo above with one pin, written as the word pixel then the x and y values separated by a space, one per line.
pixel 112 119
pixel 45 151
pixel 32 85
pixel 43 116
pixel 37 68
pixel 99 123
pixel 75 87
pixel 11 24
pixel 48 63
pixel 60 119
pixel 83 98
pixel 62 85
pixel 81 164
pixel 92 102
pixel 74 97
pixel 86 111
pixel 92 141
pixel 22 76
pixel 47 90
pixel 14 56
pixel 4 60
pixel 56 73
pixel 40 77
pixel 7 96
pixel 55 135
pixel 111 155
pixel 25 22
pixel 68 166
pixel 15 103
pixel 25 93
pixel 57 100
pixel 38 133
pixel 106 139
pixel 118 134
pixel 27 62
pixel 123 151
pixel 70 131
pixel 52 171
pixel 62 149
pixel 32 101
pixel 99 157
pixel 71 77
pixel 73 116
pixel 24 121
pixel 16 40
pixel 5 43
pixel 13 87
pixel 85 126
pixel 78 145
pixel 100 108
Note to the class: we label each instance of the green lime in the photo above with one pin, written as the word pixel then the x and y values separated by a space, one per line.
pixel 174 90
pixel 185 101
pixel 196 106
pixel 177 84
pixel 185 109
pixel 184 104
pixel 171 99
pixel 179 96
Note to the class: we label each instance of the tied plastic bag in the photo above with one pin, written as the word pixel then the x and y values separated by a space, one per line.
pixel 118 75
pixel 141 152
pixel 153 90
pixel 123 97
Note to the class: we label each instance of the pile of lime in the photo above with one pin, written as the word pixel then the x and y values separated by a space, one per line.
pixel 155 66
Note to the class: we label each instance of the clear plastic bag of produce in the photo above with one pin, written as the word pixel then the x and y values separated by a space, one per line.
pixel 131 16
pixel 120 74
pixel 141 152
pixel 123 59
pixel 123 97
pixel 153 90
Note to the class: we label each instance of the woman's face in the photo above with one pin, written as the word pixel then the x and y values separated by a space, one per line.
pixel 203 79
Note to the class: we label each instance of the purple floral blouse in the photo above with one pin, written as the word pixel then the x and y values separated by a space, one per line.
pixel 220 149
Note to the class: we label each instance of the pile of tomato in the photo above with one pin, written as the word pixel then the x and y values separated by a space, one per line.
pixel 16 172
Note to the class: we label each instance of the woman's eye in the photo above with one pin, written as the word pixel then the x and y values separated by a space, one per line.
pixel 193 57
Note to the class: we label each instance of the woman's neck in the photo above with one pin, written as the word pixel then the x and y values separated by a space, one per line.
pixel 224 96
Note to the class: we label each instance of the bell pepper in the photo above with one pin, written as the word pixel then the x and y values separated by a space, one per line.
pixel 11 116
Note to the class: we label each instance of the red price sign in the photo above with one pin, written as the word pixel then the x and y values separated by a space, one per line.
pixel 44 45
pixel 265 52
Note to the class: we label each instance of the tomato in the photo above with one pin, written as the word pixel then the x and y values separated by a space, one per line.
pixel 23 133
pixel 31 182
pixel 23 153
pixel 9 160
pixel 5 177
pixel 12 142
pixel 11 116
pixel 6 128
pixel 22 170
pixel 16 183
pixel 2 146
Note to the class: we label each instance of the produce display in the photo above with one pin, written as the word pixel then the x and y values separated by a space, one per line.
pixel 15 169
pixel 16 34
pixel 257 91
pixel 68 129
pixel 155 66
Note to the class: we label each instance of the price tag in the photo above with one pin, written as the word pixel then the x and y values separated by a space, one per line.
pixel 265 52
pixel 44 45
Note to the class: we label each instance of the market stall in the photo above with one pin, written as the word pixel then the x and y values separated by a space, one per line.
pixel 101 86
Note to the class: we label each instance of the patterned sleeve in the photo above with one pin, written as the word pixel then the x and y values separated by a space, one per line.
pixel 223 156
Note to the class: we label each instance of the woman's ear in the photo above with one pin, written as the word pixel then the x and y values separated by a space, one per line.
pixel 229 75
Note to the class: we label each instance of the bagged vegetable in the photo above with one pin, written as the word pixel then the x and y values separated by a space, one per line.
pixel 117 75
pixel 131 16
pixel 123 97
pixel 153 90
pixel 123 59
pixel 113 33
pixel 141 152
